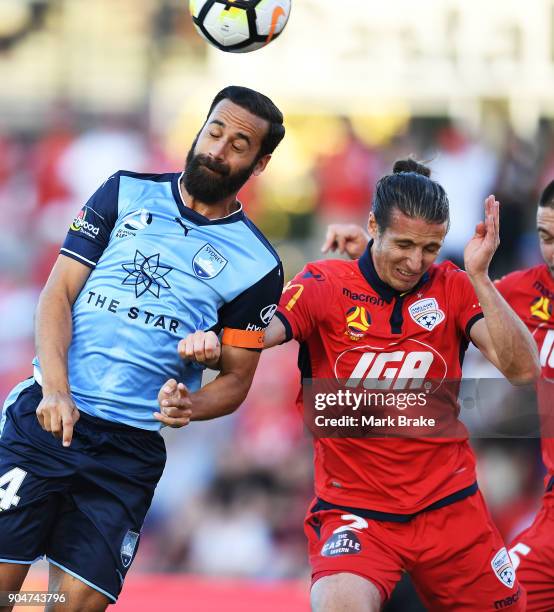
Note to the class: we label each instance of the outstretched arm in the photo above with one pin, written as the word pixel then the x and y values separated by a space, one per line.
pixel 501 336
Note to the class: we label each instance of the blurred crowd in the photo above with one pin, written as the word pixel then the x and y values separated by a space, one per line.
pixel 235 491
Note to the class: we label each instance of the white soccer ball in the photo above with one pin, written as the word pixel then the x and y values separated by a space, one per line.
pixel 240 26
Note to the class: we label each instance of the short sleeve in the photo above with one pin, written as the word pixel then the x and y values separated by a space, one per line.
pixel 90 231
pixel 303 302
pixel 245 318
pixel 464 298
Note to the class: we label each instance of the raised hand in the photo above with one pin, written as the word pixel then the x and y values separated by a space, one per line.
pixel 347 238
pixel 482 246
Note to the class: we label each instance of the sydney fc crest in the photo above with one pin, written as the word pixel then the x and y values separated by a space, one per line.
pixel 208 262
pixel 426 313
pixel 128 547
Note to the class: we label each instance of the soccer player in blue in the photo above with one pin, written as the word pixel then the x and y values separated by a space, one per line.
pixel 147 261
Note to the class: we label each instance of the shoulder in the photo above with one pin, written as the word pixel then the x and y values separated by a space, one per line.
pixel 142 176
pixel 127 183
pixel 332 269
pixel 448 273
pixel 520 280
pixel 258 238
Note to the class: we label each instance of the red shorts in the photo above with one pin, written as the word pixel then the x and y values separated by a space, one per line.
pixel 455 555
pixel 532 553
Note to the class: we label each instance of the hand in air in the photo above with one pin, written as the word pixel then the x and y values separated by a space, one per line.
pixel 346 238
pixel 482 246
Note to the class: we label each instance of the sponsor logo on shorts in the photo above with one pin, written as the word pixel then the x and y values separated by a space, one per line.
pixel 501 604
pixel 343 543
pixel 128 547
pixel 426 313
pixel 503 569
pixel 208 262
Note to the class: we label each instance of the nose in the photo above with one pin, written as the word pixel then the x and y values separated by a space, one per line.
pixel 415 261
pixel 217 150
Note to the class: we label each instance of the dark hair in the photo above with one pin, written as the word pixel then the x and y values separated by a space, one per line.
pixel 547 196
pixel 412 192
pixel 261 106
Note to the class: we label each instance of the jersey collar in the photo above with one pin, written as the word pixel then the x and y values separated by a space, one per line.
pixel 387 292
pixel 196 217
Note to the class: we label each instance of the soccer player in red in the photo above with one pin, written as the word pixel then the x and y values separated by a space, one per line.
pixel 384 505
pixel 530 292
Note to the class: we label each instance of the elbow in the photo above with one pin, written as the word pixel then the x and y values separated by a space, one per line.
pixel 525 369
pixel 241 389
pixel 528 376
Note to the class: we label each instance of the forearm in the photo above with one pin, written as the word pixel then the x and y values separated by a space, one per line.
pixel 220 397
pixel 516 351
pixel 53 332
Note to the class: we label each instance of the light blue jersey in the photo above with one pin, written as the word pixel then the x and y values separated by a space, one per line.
pixel 159 272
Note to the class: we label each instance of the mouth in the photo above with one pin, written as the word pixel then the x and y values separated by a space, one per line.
pixel 407 276
pixel 213 170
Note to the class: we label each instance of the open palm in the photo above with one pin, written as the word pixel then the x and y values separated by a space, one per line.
pixel 482 246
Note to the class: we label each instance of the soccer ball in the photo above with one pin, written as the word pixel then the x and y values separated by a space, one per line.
pixel 239 26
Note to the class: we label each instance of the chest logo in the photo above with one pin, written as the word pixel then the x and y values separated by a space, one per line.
pixel 146 274
pixel 358 321
pixel 138 220
pixel 208 262
pixel 541 308
pixel 426 313
pixel 185 227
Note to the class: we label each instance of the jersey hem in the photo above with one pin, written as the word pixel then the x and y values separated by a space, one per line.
pixel 288 327
pixel 368 506
pixel 77 257
pixel 472 322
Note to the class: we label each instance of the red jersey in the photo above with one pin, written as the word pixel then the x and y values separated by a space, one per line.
pixel 531 294
pixel 351 325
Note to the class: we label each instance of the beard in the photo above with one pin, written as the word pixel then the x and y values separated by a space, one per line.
pixel 211 181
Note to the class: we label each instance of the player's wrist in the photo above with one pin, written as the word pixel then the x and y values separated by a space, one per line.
pixel 53 387
pixel 480 277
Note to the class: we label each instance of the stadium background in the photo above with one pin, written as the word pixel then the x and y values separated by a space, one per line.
pixel 92 86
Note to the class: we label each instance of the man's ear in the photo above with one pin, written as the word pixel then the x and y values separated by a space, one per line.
pixel 372 227
pixel 261 164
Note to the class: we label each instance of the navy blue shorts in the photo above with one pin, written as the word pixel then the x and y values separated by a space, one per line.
pixel 82 507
